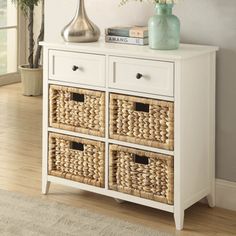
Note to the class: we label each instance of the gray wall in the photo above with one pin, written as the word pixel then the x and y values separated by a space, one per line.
pixel 214 22
pixel 204 22
pixel 103 12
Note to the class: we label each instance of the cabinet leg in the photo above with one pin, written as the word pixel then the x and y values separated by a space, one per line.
pixel 119 200
pixel 45 187
pixel 179 220
pixel 211 199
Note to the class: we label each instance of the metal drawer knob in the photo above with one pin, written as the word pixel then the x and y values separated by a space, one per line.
pixel 139 76
pixel 75 68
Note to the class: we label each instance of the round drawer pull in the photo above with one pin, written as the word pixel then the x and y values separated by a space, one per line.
pixel 75 68
pixel 139 76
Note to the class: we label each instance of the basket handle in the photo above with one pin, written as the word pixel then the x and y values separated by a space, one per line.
pixel 140 159
pixel 77 146
pixel 138 106
pixel 77 97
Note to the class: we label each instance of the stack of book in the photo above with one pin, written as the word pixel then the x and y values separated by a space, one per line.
pixel 137 35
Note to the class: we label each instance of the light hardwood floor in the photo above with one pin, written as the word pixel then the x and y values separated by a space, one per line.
pixel 20 171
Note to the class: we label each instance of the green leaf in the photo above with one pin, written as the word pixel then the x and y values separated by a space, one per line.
pixel 26 5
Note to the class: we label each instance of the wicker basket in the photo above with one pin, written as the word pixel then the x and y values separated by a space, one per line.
pixel 77 159
pixel 77 110
pixel 143 121
pixel 142 174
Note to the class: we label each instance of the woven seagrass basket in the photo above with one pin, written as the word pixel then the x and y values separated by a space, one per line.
pixel 77 159
pixel 142 174
pixel 77 110
pixel 143 121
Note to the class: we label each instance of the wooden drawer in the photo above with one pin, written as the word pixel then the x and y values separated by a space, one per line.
pixel 149 76
pixel 143 121
pixel 78 159
pixel 78 68
pixel 140 173
pixel 76 109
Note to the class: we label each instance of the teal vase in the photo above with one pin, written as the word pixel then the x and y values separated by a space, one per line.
pixel 164 29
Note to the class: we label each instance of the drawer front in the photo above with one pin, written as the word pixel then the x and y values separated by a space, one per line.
pixel 147 76
pixel 78 68
pixel 77 159
pixel 141 173
pixel 78 110
pixel 142 121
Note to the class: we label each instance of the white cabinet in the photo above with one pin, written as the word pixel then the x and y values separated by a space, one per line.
pixel 131 123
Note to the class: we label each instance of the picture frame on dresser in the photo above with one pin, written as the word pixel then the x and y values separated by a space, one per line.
pixel 142 139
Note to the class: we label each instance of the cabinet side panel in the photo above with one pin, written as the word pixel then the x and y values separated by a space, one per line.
pixel 45 122
pixel 194 150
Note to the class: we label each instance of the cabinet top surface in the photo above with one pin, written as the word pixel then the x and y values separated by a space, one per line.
pixel 185 50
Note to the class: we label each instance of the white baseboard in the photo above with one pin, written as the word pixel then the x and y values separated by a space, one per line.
pixel 226 194
pixel 10 79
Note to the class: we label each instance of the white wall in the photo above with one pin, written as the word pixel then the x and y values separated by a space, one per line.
pixel 203 21
pixel 37 22
pixel 37 26
pixel 214 22
pixel 102 12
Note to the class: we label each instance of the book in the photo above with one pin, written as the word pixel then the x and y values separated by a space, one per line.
pixel 126 40
pixel 134 31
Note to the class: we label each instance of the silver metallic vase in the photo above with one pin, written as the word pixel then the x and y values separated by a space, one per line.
pixel 81 29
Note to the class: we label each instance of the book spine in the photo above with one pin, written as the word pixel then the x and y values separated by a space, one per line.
pixel 135 33
pixel 126 40
pixel 117 32
pixel 138 33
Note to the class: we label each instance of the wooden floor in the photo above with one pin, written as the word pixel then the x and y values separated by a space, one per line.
pixel 20 171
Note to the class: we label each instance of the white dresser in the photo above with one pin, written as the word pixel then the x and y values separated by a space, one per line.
pixel 131 123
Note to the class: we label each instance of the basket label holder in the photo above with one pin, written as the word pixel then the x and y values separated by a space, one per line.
pixel 77 97
pixel 140 159
pixel 142 107
pixel 77 146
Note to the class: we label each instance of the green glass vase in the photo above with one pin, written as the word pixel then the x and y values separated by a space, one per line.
pixel 164 29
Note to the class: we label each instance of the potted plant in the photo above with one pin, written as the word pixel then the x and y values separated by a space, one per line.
pixel 32 73
pixel 163 27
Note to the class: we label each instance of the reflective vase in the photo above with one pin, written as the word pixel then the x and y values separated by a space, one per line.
pixel 164 28
pixel 81 29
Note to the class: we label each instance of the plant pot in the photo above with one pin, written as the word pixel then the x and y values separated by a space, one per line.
pixel 32 80
pixel 164 29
